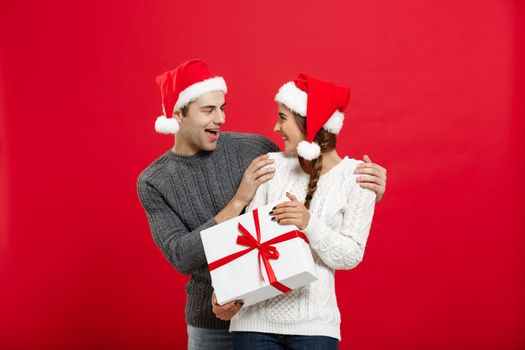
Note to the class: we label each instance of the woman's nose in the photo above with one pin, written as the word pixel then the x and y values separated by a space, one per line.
pixel 277 128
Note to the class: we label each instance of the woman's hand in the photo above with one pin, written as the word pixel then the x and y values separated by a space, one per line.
pixel 374 177
pixel 226 311
pixel 291 213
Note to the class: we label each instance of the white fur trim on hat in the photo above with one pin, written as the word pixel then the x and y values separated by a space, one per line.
pixel 335 123
pixel 308 151
pixel 196 90
pixel 165 125
pixel 293 98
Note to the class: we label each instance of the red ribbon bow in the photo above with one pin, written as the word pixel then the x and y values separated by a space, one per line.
pixel 266 250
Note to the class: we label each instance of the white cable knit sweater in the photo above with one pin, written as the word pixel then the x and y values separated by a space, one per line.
pixel 341 215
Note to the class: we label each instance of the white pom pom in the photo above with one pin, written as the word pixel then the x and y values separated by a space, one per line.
pixel 335 123
pixel 164 125
pixel 308 151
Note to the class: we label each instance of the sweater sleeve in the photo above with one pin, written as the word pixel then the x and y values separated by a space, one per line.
pixel 182 247
pixel 344 250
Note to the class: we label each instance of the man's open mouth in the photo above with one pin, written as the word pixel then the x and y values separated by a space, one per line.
pixel 212 133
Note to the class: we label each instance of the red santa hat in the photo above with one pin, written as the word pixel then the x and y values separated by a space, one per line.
pixel 182 85
pixel 320 102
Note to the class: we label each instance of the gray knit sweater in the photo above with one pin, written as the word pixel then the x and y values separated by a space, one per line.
pixel 181 195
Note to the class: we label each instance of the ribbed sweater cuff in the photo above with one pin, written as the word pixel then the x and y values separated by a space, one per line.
pixel 315 230
pixel 308 328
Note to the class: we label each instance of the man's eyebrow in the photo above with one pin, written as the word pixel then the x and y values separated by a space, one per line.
pixel 210 106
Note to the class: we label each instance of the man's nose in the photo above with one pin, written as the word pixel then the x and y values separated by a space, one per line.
pixel 220 117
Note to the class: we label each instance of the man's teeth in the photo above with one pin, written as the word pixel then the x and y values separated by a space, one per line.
pixel 213 131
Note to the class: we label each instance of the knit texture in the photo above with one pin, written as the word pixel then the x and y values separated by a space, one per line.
pixel 340 220
pixel 181 195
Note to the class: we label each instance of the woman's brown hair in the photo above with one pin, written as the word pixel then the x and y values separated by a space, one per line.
pixel 327 142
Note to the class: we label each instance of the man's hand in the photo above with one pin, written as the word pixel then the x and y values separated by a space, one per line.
pixel 291 213
pixel 259 171
pixel 226 311
pixel 374 177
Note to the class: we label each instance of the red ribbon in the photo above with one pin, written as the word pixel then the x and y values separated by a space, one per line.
pixel 266 250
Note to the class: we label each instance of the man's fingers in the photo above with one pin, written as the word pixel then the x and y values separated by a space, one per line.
pixel 260 161
pixel 371 170
pixel 371 179
pixel 368 162
pixel 372 166
pixel 264 170
pixel 227 316
pixel 234 310
pixel 223 315
pixel 229 306
pixel 261 157
pixel 264 178
pixel 371 186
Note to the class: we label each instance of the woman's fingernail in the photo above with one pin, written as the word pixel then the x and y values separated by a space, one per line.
pixel 274 208
pixel 273 218
pixel 270 213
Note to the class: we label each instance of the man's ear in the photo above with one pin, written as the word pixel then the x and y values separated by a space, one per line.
pixel 177 115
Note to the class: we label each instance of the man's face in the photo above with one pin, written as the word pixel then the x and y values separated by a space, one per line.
pixel 200 127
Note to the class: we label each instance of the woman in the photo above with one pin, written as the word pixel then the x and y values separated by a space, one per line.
pixel 327 205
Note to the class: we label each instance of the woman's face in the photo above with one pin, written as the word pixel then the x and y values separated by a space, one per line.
pixel 290 131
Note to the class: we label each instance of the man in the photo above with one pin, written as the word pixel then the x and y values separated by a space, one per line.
pixel 206 178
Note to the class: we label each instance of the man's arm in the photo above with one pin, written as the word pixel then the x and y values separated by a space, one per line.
pixel 258 172
pixel 254 145
pixel 182 247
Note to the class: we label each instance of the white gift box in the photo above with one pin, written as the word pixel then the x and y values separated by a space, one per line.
pixel 238 273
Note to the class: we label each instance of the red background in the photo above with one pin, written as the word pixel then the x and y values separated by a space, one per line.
pixel 437 98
